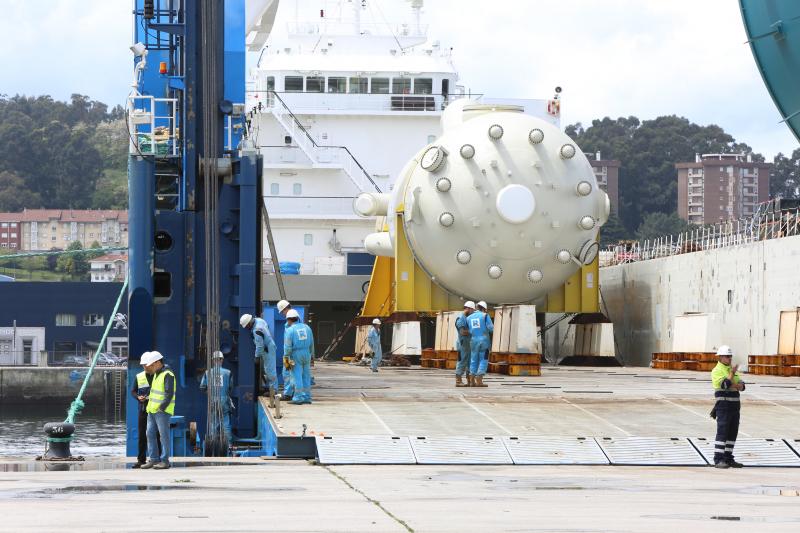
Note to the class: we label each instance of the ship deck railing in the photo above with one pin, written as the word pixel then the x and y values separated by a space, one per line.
pixel 762 226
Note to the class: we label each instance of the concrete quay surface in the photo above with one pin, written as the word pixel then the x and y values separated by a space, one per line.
pixel 297 496
pixel 255 495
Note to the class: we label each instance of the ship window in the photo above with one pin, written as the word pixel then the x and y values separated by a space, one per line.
pixel 308 239
pixel 293 84
pixel 274 189
pixel 423 86
pixel 401 85
pixel 359 85
pixel 380 85
pixel 297 189
pixel 315 84
pixel 337 85
pixel 270 83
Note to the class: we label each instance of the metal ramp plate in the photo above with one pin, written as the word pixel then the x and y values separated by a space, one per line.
pixel 460 451
pixel 753 452
pixel 364 450
pixel 652 451
pixel 535 450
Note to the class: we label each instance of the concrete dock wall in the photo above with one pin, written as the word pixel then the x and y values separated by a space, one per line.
pixel 747 286
pixel 27 384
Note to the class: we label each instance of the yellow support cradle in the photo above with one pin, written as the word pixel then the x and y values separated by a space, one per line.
pixel 400 285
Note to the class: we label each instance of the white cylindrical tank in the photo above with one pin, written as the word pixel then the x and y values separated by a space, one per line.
pixel 503 207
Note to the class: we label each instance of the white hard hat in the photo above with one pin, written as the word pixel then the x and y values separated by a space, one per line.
pixel 245 320
pixel 291 313
pixel 483 304
pixel 218 355
pixel 470 304
pixel 376 321
pixel 148 358
pixel 283 304
pixel 725 350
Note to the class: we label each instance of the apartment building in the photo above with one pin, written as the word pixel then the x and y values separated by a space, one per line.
pixel 11 231
pixel 43 229
pixel 607 173
pixel 718 187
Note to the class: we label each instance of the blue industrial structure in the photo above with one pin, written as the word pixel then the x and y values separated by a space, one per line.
pixel 194 203
pixel 773 31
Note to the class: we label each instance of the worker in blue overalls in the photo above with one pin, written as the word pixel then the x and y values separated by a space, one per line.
pixel 266 351
pixel 298 350
pixel 480 326
pixel 462 343
pixel 223 377
pixel 374 341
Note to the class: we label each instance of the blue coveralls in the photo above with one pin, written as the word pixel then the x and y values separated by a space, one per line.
pixel 266 351
pixel 298 344
pixel 224 379
pixel 462 344
pixel 374 341
pixel 480 326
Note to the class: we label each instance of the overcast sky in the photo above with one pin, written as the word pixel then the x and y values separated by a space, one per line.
pixel 612 57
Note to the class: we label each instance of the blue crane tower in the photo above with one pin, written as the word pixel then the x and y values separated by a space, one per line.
pixel 194 206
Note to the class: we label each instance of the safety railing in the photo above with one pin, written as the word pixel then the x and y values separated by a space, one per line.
pixel 152 126
pixel 763 226
pixel 334 156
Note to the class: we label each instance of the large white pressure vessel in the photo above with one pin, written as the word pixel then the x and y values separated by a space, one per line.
pixel 503 207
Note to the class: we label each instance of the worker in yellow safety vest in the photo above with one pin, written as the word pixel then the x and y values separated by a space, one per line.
pixel 160 408
pixel 140 392
pixel 727 384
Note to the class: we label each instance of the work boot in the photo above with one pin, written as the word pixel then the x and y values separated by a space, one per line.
pixel 148 464
pixel 163 465
pixel 459 382
pixel 470 380
pixel 721 464
pixel 733 464
pixel 479 382
pixel 138 465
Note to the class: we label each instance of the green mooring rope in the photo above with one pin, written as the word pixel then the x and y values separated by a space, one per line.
pixel 77 404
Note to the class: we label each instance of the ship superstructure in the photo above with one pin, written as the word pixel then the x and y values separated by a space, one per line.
pixel 343 101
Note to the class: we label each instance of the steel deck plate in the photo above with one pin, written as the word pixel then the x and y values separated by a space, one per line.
pixel 651 451
pixel 460 451
pixel 753 452
pixel 364 449
pixel 535 450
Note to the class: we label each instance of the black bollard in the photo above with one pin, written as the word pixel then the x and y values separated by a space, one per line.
pixel 59 435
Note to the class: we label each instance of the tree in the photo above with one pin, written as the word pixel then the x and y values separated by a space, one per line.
pixel 74 264
pixel 648 151
pixel 613 231
pixel 657 225
pixel 15 195
pixel 52 260
pixel 94 251
pixel 784 176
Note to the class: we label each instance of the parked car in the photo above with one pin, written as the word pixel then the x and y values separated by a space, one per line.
pixel 75 360
pixel 110 359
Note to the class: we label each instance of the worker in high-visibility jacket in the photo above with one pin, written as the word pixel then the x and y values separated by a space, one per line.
pixel 160 408
pixel 224 386
pixel 298 350
pixel 462 343
pixel 266 351
pixel 727 385
pixel 140 392
pixel 480 327
pixel 374 342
